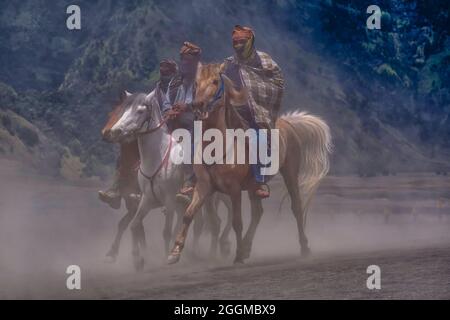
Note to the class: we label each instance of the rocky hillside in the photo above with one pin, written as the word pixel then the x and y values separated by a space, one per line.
pixel 384 92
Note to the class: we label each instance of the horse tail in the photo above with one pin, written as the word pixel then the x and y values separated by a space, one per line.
pixel 313 137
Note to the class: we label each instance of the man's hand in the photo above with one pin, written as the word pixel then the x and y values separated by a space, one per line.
pixel 172 113
pixel 180 107
pixel 176 110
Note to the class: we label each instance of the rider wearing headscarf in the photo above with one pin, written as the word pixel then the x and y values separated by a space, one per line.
pixel 167 70
pixel 264 82
pixel 179 109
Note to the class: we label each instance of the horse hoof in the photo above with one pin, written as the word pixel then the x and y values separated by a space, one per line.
pixel 246 249
pixel 173 258
pixel 225 249
pixel 306 252
pixel 109 259
pixel 239 260
pixel 246 254
pixel 139 264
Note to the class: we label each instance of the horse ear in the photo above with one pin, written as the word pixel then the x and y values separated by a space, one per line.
pixel 222 67
pixel 149 96
pixel 125 94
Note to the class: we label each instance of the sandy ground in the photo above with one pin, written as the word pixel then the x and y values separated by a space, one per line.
pixel 396 223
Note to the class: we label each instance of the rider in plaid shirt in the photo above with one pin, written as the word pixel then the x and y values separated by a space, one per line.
pixel 262 77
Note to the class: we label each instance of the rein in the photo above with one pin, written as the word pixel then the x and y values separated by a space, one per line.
pixel 165 159
pixel 151 130
pixel 217 96
pixel 164 163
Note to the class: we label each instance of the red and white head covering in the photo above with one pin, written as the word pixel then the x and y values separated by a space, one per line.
pixel 242 33
pixel 190 49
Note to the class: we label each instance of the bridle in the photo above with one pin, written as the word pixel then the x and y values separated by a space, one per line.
pixel 219 94
pixel 165 160
pixel 148 120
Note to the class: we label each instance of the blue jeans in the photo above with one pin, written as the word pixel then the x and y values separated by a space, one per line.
pixel 245 113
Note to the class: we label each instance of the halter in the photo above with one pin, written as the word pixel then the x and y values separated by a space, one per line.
pixel 147 121
pixel 217 96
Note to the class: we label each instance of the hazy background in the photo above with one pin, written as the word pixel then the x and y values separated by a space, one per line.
pixel 47 224
pixel 385 94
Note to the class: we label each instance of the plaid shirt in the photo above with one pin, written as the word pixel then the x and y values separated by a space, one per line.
pixel 265 84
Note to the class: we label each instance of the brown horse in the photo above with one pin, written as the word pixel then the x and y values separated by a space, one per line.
pixel 304 147
pixel 129 187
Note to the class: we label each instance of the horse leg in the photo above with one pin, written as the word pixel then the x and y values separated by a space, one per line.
pixel 168 225
pixel 297 207
pixel 121 227
pixel 257 211
pixel 198 228
pixel 213 220
pixel 201 191
pixel 138 234
pixel 225 244
pixel 236 199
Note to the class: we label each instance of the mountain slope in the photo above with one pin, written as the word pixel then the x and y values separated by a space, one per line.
pixel 384 93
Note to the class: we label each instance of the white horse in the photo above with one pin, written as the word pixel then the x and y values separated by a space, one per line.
pixel 158 177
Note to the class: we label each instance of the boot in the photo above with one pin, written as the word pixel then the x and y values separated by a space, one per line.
pixel 112 195
pixel 184 195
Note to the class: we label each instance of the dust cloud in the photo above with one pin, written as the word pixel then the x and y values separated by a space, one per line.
pixel 47 225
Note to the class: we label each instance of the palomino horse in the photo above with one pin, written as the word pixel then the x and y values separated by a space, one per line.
pixel 304 147
pixel 158 177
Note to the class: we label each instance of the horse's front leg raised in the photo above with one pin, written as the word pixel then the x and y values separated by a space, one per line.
pixel 201 191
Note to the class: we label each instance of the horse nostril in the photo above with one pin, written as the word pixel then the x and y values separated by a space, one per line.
pixel 117 132
pixel 114 133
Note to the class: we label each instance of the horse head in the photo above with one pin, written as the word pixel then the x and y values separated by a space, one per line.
pixel 113 116
pixel 214 90
pixel 139 112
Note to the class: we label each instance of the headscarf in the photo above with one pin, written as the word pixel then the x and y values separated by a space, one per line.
pixel 167 68
pixel 190 49
pixel 239 35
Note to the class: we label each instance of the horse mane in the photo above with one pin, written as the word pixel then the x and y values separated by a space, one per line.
pixel 233 119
